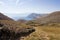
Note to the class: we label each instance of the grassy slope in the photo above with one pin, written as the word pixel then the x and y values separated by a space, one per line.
pixel 14 30
pixel 49 32
pixel 45 33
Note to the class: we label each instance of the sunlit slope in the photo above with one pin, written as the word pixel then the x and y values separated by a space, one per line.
pixel 45 33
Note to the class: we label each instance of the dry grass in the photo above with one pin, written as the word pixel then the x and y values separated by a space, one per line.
pixel 48 32
pixel 53 32
pixel 14 29
pixel 45 33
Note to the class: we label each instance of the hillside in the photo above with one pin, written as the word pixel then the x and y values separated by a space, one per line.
pixel 54 17
pixel 46 28
pixel 51 19
pixel 31 30
pixel 4 17
pixel 45 33
pixel 12 30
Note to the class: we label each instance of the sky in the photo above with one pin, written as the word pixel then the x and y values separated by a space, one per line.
pixel 14 7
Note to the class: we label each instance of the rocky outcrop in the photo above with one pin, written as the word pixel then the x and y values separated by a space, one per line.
pixel 14 33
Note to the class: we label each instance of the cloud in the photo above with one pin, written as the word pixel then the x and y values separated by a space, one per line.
pixel 20 2
pixel 17 1
pixel 2 3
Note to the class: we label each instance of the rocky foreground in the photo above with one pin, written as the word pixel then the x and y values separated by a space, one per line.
pixel 9 32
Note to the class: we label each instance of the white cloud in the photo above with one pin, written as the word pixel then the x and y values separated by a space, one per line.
pixel 17 1
pixel 2 3
pixel 20 2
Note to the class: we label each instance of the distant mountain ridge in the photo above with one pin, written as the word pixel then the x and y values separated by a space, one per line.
pixel 54 17
pixel 4 17
pixel 33 16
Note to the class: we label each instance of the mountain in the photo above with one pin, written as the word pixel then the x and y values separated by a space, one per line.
pixel 54 17
pixel 33 16
pixel 13 30
pixel 4 17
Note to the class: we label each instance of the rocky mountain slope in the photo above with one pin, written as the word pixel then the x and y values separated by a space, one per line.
pixel 13 30
pixel 4 17
pixel 54 17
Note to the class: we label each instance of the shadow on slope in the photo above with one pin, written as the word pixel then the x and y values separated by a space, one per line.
pixel 11 30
